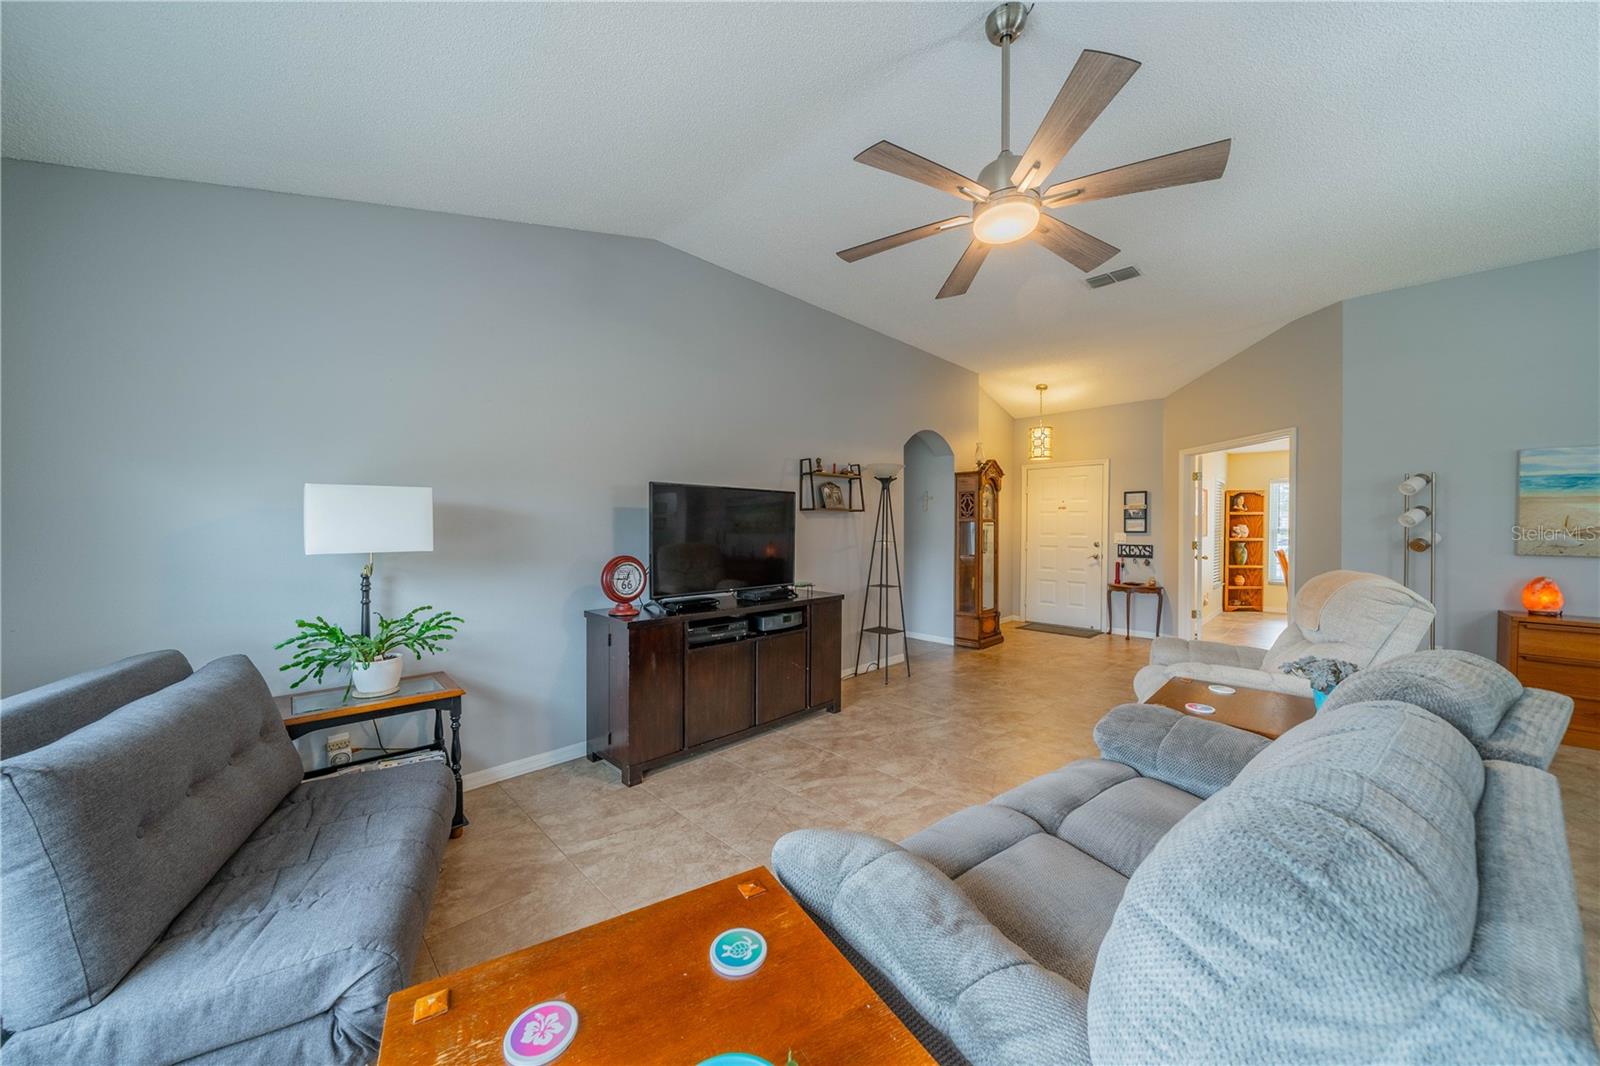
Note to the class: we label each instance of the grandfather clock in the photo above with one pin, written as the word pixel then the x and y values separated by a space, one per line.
pixel 978 556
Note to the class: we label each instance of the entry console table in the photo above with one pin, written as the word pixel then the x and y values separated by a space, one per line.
pixel 653 698
pixel 1128 591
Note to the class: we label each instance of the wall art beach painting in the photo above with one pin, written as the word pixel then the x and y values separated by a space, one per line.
pixel 1558 501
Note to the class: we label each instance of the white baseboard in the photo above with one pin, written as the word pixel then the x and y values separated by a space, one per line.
pixel 1011 618
pixel 505 771
pixel 893 659
pixel 931 639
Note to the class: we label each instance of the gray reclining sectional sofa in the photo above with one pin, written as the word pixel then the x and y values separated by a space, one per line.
pixel 173 891
pixel 1369 887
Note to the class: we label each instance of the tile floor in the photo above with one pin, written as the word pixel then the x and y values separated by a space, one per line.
pixel 555 850
pixel 1254 629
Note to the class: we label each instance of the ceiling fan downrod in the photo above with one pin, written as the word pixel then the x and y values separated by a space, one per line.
pixel 1003 26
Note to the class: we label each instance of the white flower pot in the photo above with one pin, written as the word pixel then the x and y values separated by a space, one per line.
pixel 378 678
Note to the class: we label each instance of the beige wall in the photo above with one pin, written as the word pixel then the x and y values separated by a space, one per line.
pixel 1253 470
pixel 996 434
pixel 1128 437
pixel 1291 379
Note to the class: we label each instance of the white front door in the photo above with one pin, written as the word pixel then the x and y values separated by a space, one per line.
pixel 1066 582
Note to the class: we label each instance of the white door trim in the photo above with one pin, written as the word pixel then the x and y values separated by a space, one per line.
pixel 1105 524
pixel 1188 463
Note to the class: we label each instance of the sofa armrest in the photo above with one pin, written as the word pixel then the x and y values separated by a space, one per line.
pixel 1189 753
pixel 1169 651
pixel 996 1004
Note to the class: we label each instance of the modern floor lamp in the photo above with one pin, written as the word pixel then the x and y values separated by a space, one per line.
pixel 367 520
pixel 884 541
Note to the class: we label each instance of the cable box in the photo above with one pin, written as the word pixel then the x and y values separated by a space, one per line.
pixel 716 631
pixel 779 620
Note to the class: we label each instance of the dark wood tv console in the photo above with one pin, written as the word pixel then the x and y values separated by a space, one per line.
pixel 654 699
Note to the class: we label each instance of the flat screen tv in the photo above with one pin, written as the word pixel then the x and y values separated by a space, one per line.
pixel 705 539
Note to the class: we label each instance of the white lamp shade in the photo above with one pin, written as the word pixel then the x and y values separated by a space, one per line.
pixel 358 519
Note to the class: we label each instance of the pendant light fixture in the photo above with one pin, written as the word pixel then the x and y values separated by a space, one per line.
pixel 1039 436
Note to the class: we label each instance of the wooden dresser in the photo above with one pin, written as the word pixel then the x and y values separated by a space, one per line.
pixel 1562 655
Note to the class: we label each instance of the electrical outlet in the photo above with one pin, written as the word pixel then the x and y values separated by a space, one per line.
pixel 339 750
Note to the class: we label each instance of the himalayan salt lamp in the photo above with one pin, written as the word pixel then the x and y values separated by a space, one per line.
pixel 1542 596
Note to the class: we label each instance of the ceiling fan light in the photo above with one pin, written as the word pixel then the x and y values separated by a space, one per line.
pixel 1006 218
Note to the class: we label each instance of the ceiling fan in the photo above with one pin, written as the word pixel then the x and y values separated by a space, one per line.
pixel 1007 204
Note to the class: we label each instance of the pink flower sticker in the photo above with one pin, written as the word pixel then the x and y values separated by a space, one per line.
pixel 540 1033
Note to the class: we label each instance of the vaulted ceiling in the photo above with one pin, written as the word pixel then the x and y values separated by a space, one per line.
pixel 1374 145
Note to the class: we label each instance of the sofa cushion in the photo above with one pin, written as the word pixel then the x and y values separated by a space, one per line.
pixel 34 718
pixel 1466 690
pixel 1122 825
pixel 113 829
pixel 924 935
pixel 1051 899
pixel 296 943
pixel 1193 754
pixel 1479 697
pixel 1309 911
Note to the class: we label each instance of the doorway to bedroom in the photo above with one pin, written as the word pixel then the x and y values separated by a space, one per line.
pixel 1240 532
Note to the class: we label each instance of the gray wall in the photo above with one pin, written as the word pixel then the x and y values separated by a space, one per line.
pixel 928 539
pixel 1456 377
pixel 181 358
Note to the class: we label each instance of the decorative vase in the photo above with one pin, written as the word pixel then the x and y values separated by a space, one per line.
pixel 1241 554
pixel 1318 696
pixel 376 678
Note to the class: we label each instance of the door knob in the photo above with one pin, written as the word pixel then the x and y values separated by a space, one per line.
pixel 1095 557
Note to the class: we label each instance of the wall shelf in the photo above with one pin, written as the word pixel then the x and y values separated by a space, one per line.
pixel 814 484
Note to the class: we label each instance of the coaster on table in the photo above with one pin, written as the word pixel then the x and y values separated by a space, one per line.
pixel 1199 708
pixel 738 952
pixel 540 1034
pixel 735 1058
pixel 1222 690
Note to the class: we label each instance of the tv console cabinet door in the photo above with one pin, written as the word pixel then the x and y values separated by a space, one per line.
pixel 825 653
pixel 718 691
pixel 654 724
pixel 780 675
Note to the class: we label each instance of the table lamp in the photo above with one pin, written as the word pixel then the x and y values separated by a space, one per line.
pixel 367 519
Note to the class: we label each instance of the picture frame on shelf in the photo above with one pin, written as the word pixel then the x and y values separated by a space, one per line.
pixel 832 496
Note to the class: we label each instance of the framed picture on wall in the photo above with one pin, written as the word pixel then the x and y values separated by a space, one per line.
pixel 1135 520
pixel 1136 498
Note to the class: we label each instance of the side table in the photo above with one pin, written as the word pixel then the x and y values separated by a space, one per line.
pixel 325 708
pixel 1127 591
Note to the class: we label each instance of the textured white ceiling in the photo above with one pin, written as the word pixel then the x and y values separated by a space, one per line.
pixel 1375 145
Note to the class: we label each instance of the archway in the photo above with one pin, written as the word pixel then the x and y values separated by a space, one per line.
pixel 929 537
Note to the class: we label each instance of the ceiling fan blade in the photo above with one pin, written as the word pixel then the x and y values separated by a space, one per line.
pixel 960 278
pixel 897 160
pixel 1205 163
pixel 1072 244
pixel 1095 79
pixel 895 240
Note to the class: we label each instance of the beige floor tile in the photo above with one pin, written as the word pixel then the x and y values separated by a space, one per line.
pixel 422 968
pixel 645 863
pixel 558 901
pixel 486 868
pixel 490 808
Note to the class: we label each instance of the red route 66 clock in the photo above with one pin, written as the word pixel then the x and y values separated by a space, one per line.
pixel 622 580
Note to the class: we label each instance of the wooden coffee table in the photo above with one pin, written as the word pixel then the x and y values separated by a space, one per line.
pixel 1271 714
pixel 645 992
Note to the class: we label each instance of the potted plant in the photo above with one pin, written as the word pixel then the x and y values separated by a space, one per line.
pixel 374 661
pixel 1323 674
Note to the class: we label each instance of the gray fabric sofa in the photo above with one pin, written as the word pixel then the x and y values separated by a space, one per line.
pixel 173 891
pixel 1366 888
pixel 1361 618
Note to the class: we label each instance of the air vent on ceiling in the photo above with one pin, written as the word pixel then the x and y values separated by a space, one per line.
pixel 1100 281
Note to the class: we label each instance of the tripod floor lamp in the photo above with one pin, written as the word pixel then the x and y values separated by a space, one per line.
pixel 367 520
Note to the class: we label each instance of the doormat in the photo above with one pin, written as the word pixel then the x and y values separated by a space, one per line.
pixel 1066 631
